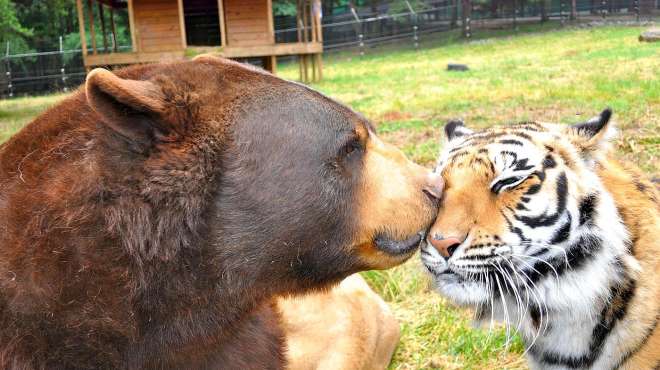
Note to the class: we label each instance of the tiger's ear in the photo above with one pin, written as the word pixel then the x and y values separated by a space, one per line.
pixel 133 108
pixel 594 134
pixel 455 129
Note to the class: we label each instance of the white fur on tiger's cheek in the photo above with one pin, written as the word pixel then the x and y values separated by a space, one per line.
pixel 451 285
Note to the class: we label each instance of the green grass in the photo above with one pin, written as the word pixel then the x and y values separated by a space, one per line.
pixel 541 73
pixel 15 113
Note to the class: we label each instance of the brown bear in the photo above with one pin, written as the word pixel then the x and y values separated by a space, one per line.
pixel 149 219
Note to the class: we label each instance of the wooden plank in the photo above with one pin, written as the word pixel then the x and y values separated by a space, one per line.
pixel 131 26
pixel 254 23
pixel 155 38
pixel 105 34
pixel 92 35
pixel 156 6
pixel 114 29
pixel 132 58
pixel 264 37
pixel 250 42
pixel 247 30
pixel 157 14
pixel 271 28
pixel 293 48
pixel 81 28
pixel 221 18
pixel 160 27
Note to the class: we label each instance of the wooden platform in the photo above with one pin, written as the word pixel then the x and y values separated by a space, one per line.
pixel 113 59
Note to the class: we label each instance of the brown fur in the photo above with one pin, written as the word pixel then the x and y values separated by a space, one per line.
pixel 148 220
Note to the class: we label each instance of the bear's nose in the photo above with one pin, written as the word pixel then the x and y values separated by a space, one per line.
pixel 446 246
pixel 434 186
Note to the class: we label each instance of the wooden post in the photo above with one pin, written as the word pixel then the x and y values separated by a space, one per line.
pixel 298 20
pixel 305 22
pixel 221 18
pixel 319 21
pixel 92 35
pixel 270 63
pixel 312 22
pixel 319 65
pixel 182 24
pixel 114 30
pixel 271 25
pixel 81 28
pixel 105 34
pixel 573 10
pixel 131 25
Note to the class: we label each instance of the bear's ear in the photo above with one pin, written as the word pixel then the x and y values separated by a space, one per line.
pixel 455 129
pixel 133 108
pixel 594 134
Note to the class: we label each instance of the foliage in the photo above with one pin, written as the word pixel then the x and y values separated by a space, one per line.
pixel 11 29
pixel 284 7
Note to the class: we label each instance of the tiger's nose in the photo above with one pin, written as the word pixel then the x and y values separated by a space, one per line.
pixel 446 246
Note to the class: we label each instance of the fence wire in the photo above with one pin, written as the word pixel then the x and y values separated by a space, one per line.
pixel 357 29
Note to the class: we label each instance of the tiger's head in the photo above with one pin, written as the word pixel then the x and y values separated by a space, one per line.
pixel 522 205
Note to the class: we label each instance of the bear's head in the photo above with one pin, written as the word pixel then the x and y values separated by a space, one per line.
pixel 284 184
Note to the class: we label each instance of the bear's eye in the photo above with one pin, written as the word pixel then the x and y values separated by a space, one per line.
pixel 506 183
pixel 351 147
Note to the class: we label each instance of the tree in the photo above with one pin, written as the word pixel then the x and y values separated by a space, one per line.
pixel 11 30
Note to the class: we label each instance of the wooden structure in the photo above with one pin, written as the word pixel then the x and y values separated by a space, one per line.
pixel 176 29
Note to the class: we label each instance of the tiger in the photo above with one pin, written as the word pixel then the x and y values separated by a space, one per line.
pixel 541 228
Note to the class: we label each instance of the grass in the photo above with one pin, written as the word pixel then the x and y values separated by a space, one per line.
pixel 542 73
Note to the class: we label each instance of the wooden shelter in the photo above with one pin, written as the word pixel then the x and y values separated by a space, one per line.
pixel 176 29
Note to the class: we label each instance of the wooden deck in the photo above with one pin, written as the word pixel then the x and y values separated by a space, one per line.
pixel 113 59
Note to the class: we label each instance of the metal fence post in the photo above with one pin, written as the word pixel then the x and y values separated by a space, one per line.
pixel 636 9
pixel 10 87
pixel 62 70
pixel 360 34
pixel 561 12
pixel 413 14
pixel 603 5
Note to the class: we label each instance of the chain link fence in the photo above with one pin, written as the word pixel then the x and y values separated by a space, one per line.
pixel 354 29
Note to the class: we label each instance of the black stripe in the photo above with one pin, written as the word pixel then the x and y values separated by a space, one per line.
pixel 549 220
pixel 513 229
pixel 587 209
pixel 502 183
pixel 549 162
pixel 522 165
pixel 521 207
pixel 562 234
pixel 620 297
pixel 577 254
pixel 511 142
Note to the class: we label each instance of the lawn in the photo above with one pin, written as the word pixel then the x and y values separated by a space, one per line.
pixel 564 75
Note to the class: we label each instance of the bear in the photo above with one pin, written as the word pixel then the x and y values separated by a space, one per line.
pixel 150 219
